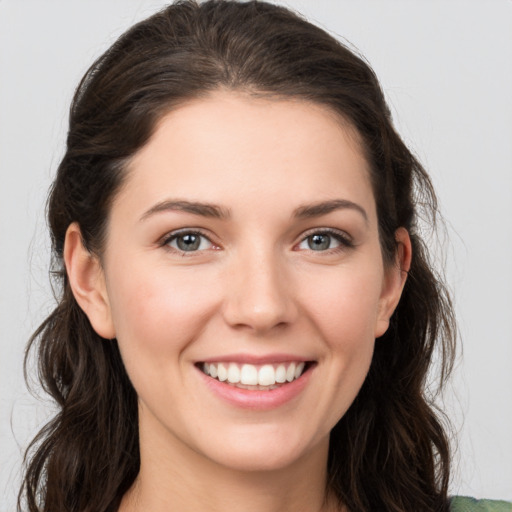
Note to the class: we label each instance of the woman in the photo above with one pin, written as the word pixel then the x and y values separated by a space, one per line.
pixel 248 312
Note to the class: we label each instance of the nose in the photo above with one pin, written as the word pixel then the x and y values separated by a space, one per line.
pixel 259 294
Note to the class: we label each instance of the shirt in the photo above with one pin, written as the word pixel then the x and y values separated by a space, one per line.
pixel 464 504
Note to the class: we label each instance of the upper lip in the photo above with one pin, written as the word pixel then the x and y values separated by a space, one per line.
pixel 256 359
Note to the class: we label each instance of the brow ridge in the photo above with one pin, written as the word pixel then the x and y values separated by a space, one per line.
pixel 325 207
pixel 194 207
pixel 215 211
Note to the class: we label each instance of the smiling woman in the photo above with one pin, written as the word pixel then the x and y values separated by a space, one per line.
pixel 248 313
pixel 252 319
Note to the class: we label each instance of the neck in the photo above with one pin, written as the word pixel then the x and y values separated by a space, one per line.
pixel 174 477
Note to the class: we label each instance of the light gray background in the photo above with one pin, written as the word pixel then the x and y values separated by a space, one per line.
pixel 446 69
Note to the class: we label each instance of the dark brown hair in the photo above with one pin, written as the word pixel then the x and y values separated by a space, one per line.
pixel 390 450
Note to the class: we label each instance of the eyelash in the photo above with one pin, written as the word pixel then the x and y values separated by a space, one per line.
pixel 342 238
pixel 166 240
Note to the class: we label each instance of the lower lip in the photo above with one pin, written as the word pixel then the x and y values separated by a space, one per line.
pixel 257 399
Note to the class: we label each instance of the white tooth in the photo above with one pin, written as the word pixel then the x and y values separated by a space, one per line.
pixel 222 372
pixel 290 372
pixel 213 370
pixel 281 374
pixel 299 370
pixel 233 373
pixel 206 368
pixel 266 375
pixel 249 374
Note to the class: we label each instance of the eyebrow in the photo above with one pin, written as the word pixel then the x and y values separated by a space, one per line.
pixel 196 208
pixel 324 207
pixel 217 212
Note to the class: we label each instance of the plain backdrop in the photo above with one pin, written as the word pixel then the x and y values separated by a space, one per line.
pixel 446 68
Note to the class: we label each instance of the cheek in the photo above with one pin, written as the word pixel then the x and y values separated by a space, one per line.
pixel 344 311
pixel 157 314
pixel 345 305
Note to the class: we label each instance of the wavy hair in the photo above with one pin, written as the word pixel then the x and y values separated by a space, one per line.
pixel 390 451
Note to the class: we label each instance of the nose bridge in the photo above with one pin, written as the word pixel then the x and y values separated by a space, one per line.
pixel 259 294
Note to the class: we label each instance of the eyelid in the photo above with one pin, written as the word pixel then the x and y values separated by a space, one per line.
pixel 172 235
pixel 341 236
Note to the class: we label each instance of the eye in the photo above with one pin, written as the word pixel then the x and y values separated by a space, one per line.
pixel 324 241
pixel 188 241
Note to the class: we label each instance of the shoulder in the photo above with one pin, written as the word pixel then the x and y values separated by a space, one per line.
pixel 464 504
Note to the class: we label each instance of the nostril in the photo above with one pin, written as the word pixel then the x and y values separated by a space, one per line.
pixel 258 298
pixel 257 319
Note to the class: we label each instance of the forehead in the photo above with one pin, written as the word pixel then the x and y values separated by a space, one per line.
pixel 228 147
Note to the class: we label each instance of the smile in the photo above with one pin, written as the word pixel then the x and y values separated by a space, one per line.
pixel 257 385
pixel 256 377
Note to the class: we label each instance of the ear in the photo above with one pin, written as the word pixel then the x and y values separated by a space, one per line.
pixel 87 282
pixel 395 275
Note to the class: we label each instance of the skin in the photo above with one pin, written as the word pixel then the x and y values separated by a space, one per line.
pixel 254 286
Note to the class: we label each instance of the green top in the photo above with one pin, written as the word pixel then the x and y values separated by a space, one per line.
pixel 463 504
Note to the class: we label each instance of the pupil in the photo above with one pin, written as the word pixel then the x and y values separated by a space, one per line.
pixel 188 242
pixel 319 242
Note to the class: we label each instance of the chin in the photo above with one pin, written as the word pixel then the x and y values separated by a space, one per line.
pixel 262 449
pixel 247 461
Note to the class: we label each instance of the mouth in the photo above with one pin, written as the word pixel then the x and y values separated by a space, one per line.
pixel 256 377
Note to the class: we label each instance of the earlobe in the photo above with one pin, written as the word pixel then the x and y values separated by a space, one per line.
pixel 394 281
pixel 87 282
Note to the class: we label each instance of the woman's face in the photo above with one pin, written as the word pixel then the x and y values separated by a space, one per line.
pixel 244 244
